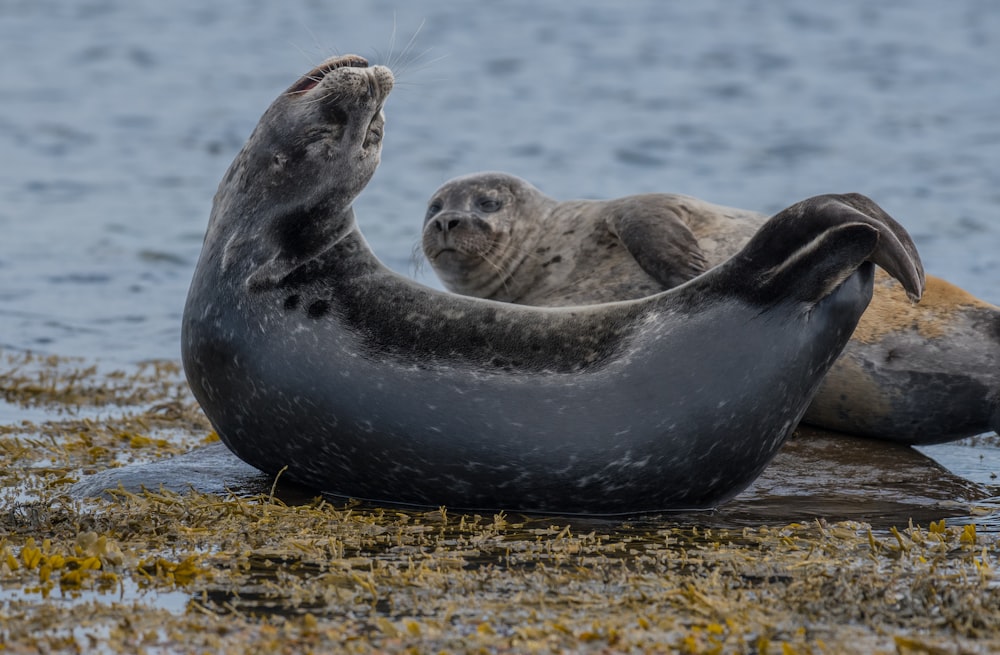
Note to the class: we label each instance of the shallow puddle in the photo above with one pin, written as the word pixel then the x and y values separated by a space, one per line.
pixel 976 459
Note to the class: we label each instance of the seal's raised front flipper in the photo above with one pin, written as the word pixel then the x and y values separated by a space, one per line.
pixel 655 236
pixel 805 251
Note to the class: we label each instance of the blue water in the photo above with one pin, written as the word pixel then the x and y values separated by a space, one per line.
pixel 118 118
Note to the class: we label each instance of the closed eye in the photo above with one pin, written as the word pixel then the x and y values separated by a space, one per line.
pixel 489 205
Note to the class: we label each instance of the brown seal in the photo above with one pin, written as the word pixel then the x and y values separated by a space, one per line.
pixel 912 373
pixel 306 352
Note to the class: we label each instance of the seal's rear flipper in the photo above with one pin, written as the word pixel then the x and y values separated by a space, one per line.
pixel 896 253
pixel 818 267
pixel 805 251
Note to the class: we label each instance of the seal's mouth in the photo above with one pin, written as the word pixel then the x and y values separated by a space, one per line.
pixel 316 75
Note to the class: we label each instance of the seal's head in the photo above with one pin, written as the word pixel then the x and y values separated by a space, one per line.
pixel 479 227
pixel 318 144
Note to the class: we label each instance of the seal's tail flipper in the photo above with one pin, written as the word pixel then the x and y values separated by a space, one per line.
pixel 807 250
pixel 896 253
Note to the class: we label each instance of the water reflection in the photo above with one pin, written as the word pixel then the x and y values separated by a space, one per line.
pixel 817 475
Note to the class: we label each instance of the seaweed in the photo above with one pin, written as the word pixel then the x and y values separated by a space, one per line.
pixel 160 571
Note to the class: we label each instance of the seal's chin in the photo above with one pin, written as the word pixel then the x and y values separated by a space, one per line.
pixel 455 258
pixel 316 75
pixel 447 253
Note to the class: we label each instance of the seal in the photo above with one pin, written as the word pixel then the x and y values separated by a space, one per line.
pixel 494 235
pixel 915 374
pixel 306 352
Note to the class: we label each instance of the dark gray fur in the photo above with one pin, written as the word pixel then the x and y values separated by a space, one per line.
pixel 306 352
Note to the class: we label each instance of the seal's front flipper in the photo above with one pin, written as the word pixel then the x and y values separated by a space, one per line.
pixel 805 251
pixel 660 242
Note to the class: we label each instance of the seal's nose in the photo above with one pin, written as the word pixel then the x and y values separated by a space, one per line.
pixel 446 222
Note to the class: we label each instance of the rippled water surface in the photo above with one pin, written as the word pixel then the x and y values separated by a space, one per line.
pixel 119 119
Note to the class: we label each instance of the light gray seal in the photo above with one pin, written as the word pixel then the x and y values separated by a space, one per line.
pixel 912 373
pixel 305 351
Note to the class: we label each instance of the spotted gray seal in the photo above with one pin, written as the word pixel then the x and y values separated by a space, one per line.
pixel 916 374
pixel 306 352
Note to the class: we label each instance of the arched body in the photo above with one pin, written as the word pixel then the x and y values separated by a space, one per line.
pixel 305 351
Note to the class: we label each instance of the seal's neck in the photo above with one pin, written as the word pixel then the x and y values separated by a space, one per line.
pixel 284 241
pixel 268 203
pixel 301 232
pixel 516 259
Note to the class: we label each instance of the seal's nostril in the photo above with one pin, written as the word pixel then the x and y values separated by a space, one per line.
pixel 453 223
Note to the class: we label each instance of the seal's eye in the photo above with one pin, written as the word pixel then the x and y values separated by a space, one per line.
pixel 489 205
pixel 432 209
pixel 334 115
